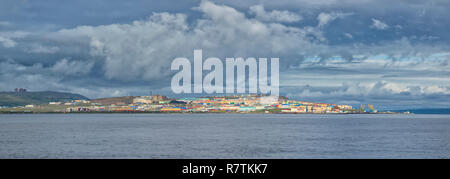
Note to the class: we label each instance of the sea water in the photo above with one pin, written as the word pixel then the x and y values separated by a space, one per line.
pixel 224 136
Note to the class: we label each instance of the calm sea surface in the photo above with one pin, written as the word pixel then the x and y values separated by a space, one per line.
pixel 224 136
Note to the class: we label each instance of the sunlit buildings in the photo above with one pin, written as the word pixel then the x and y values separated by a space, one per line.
pixel 234 104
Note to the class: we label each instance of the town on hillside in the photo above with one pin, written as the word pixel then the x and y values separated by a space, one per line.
pixel 251 103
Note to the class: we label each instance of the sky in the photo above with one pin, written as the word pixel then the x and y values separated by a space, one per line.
pixel 393 54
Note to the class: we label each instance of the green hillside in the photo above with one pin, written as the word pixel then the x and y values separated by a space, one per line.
pixel 24 98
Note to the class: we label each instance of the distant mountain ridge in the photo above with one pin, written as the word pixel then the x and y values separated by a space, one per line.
pixel 42 97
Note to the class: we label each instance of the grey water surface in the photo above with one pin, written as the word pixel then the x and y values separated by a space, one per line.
pixel 224 136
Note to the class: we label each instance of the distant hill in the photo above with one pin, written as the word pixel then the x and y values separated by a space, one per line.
pixel 115 100
pixel 24 98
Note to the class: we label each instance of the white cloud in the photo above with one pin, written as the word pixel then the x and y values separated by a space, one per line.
pixel 387 89
pixel 377 24
pixel 7 38
pixel 7 42
pixel 144 49
pixel 274 16
pixel 325 18
pixel 348 35
pixel 72 68
pixel 38 48
pixel 382 89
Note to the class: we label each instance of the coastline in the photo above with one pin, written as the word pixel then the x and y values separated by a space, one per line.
pixel 159 112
